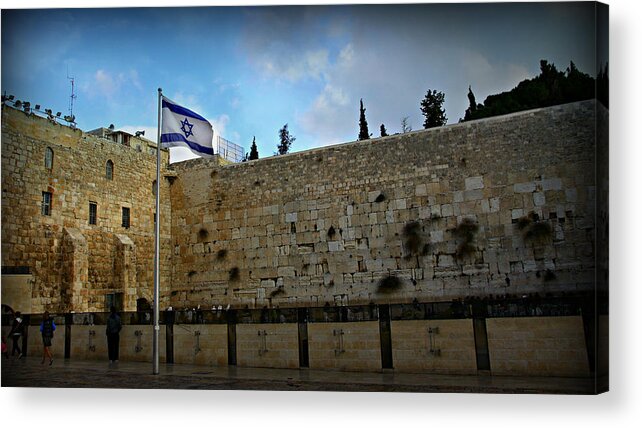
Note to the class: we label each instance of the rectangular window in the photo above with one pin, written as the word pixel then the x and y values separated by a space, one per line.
pixel 45 207
pixel 93 210
pixel 125 217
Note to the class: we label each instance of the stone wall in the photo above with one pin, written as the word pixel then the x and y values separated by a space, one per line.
pixel 503 205
pixel 74 270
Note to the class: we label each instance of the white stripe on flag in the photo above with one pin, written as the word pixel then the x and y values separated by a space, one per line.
pixel 182 127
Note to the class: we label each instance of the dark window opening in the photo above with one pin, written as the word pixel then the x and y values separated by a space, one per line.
pixel 125 217
pixel 93 210
pixel 109 170
pixel 45 207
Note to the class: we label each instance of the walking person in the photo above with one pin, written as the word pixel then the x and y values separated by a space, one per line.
pixel 47 328
pixel 114 325
pixel 17 328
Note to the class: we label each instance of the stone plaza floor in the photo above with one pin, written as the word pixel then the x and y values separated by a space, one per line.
pixel 29 372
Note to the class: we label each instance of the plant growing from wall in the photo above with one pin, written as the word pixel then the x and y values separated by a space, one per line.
pixel 331 232
pixel 549 275
pixel 389 284
pixel 413 240
pixel 202 234
pixel 221 254
pixel 465 233
pixel 235 274
pixel 279 291
pixel 533 228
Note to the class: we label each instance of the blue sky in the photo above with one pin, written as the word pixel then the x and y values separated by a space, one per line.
pixel 250 70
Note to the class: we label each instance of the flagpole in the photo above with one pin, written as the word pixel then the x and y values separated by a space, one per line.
pixel 157 244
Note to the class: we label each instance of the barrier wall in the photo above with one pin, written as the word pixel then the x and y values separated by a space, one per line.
pixel 202 344
pixel 89 342
pixel 353 346
pixel 547 346
pixel 267 345
pixel 435 346
pixel 498 337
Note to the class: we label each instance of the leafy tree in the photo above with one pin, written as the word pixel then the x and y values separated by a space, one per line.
pixel 550 87
pixel 384 133
pixel 432 109
pixel 405 125
pixel 363 124
pixel 286 140
pixel 254 152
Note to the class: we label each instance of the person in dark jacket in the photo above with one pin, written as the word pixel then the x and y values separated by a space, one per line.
pixel 114 325
pixel 17 329
pixel 47 328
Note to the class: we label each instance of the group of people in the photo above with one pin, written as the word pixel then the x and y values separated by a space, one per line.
pixel 47 329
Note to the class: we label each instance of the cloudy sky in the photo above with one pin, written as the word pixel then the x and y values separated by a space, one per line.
pixel 250 70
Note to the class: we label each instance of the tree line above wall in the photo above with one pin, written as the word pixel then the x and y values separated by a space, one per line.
pixel 550 87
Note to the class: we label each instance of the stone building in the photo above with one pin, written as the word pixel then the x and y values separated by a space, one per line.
pixel 498 206
pixel 78 213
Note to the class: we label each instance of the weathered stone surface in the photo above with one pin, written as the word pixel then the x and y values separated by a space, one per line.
pixel 327 228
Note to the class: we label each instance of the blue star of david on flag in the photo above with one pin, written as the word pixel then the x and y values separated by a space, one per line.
pixel 182 127
pixel 186 127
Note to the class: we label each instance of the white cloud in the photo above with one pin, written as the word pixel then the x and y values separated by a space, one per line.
pixel 105 83
pixel 346 55
pixel 219 123
pixel 280 46
pixel 330 116
pixel 111 85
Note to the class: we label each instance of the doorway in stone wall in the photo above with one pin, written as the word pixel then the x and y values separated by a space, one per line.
pixel 142 305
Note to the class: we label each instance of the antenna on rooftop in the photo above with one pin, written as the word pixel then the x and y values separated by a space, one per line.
pixel 72 97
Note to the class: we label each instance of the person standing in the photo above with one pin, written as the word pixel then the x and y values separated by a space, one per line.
pixel 114 325
pixel 47 328
pixel 17 329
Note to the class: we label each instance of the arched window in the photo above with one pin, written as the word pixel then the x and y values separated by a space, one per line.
pixel 109 170
pixel 49 158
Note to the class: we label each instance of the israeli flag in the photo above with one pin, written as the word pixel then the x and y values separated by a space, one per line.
pixel 183 128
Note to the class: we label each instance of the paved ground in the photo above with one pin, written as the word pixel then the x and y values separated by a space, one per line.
pixel 28 372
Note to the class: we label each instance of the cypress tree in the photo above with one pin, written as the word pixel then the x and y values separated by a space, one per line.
pixel 254 152
pixel 363 124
